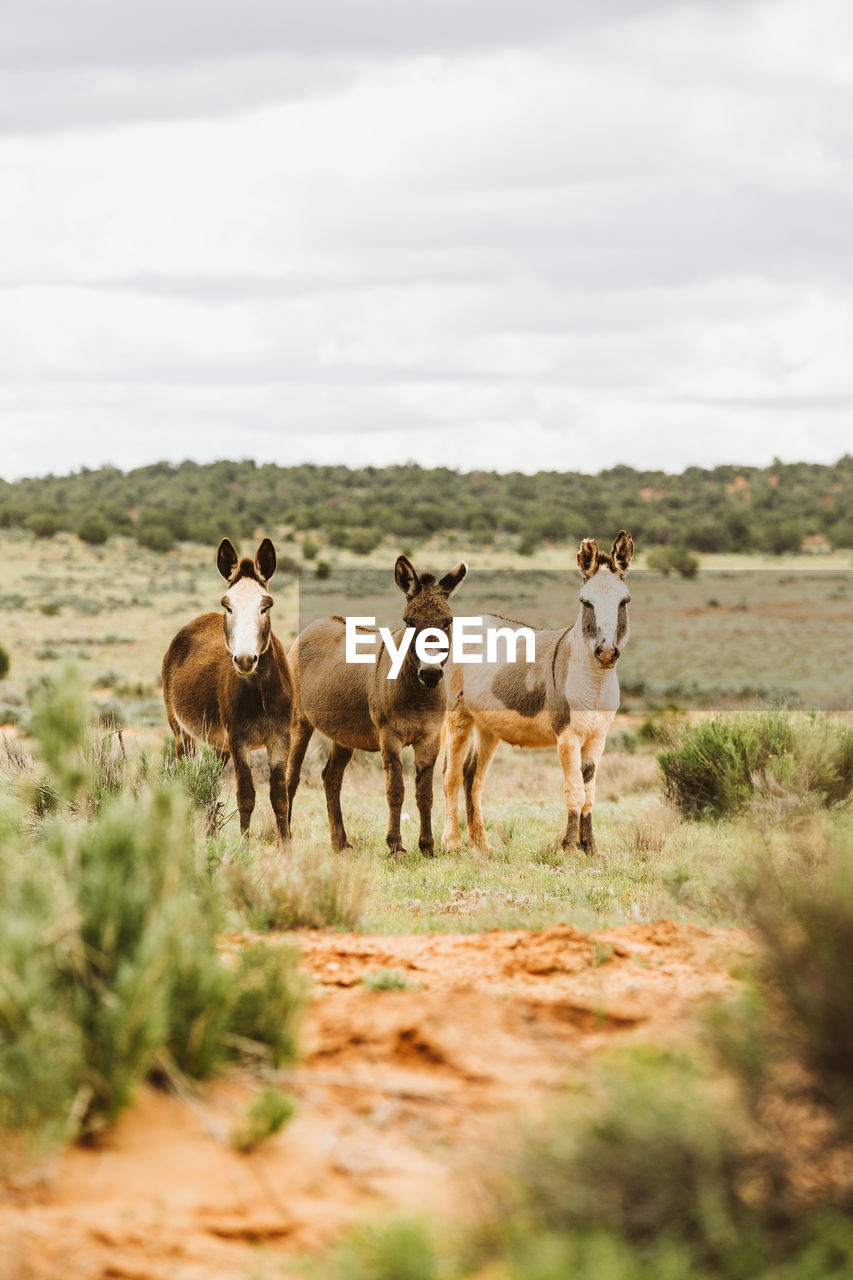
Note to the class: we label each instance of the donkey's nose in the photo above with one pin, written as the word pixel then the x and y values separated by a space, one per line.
pixel 245 663
pixel 606 655
pixel 430 676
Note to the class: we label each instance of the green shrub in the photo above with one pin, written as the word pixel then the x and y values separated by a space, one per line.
pixel 267 1113
pixel 400 1250
pixel 322 570
pixel 155 535
pixel 715 768
pixel 43 524
pixel 93 529
pixel 200 774
pixel 109 966
pixel 5 662
pixel 363 541
pixel 804 912
pixel 655 1161
pixel 386 980
pixel 310 548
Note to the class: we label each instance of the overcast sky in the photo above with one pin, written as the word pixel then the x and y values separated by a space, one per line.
pixel 478 233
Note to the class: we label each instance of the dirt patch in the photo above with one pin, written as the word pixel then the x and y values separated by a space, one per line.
pixel 396 1090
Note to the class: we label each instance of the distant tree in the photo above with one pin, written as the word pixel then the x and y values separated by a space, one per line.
pixel 44 524
pixel 4 662
pixel 668 560
pixel 93 529
pixel 322 569
pixel 363 541
pixel 155 536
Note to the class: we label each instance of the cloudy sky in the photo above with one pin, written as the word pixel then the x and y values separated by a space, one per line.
pixel 481 233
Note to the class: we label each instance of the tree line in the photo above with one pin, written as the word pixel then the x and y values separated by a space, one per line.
pixel 779 508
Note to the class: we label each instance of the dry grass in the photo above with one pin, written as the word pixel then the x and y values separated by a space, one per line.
pixel 304 888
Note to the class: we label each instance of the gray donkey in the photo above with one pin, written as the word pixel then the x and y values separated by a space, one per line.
pixel 359 708
pixel 567 698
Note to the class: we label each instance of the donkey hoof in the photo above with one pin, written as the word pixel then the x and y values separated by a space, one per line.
pixel 590 847
pixel 340 845
pixel 396 849
pixel 427 849
pixel 570 846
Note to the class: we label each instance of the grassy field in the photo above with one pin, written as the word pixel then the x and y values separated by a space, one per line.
pixel 739 631
pixel 124 877
pixel 775 627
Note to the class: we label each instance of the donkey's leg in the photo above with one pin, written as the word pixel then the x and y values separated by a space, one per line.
pixel 333 776
pixel 300 737
pixel 591 753
pixel 391 748
pixel 474 775
pixel 458 730
pixel 426 754
pixel 278 750
pixel 569 752
pixel 242 756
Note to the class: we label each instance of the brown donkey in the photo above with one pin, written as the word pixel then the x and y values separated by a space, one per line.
pixel 566 698
pixel 226 681
pixel 360 708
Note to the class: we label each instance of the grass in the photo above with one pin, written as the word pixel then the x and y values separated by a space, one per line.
pixel 387 980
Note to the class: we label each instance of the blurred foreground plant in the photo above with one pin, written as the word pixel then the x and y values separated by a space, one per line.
pixel 109 968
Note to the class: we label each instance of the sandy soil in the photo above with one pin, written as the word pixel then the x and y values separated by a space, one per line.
pixel 399 1093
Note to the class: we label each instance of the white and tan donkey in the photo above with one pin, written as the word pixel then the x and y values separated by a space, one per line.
pixel 567 697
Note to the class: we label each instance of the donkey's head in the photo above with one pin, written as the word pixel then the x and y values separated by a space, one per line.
pixel 604 597
pixel 428 609
pixel 247 603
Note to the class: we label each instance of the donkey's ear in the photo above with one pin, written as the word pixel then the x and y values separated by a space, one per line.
pixel 588 557
pixel 265 559
pixel 451 580
pixel 622 551
pixel 405 577
pixel 226 558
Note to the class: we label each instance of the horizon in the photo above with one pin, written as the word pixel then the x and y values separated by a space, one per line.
pixel 462 471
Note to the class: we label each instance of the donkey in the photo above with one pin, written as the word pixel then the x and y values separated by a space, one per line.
pixel 226 681
pixel 359 708
pixel 567 697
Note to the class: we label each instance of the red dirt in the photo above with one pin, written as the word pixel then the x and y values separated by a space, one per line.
pixel 397 1091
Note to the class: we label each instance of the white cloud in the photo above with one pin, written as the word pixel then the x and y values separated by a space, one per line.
pixel 475 244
